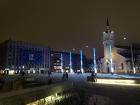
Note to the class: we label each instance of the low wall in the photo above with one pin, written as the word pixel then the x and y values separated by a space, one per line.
pixel 119 80
pixel 25 96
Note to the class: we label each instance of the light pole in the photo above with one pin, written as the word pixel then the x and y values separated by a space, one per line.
pixel 132 56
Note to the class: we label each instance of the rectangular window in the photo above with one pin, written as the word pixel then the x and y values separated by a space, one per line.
pixel 122 66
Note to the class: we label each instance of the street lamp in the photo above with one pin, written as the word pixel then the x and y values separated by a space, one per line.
pixel 132 56
pixel 86 46
pixel 73 49
pixel 124 38
pixel 133 65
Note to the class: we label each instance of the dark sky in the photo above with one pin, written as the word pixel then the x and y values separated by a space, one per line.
pixel 67 24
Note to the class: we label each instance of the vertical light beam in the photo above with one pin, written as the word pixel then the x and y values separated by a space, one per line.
pixel 111 63
pixel 62 63
pixel 81 58
pixel 94 57
pixel 70 64
pixel 132 57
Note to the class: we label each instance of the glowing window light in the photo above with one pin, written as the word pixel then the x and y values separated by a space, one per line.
pixel 81 59
pixel 11 72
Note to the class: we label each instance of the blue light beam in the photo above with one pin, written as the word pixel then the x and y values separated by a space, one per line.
pixel 111 62
pixel 62 63
pixel 81 56
pixel 70 64
pixel 94 57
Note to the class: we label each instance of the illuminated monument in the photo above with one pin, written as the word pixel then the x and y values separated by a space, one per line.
pixel 108 42
pixel 112 61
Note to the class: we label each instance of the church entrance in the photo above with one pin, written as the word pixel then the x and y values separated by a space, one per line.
pixel 108 69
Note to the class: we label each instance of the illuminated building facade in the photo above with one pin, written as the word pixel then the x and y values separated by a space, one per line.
pixel 19 55
pixel 118 58
pixel 108 42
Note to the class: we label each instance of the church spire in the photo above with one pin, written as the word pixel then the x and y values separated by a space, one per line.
pixel 107 22
pixel 107 26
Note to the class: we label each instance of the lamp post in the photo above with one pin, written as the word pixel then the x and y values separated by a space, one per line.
pixel 132 57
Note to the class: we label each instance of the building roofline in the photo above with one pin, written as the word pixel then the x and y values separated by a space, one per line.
pixel 134 46
pixel 26 42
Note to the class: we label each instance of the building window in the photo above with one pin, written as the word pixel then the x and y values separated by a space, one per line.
pixel 58 67
pixel 122 66
pixel 54 67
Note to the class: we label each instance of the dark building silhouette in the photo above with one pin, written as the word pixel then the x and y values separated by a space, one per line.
pixel 63 58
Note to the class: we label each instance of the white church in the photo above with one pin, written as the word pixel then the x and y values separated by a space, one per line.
pixel 118 59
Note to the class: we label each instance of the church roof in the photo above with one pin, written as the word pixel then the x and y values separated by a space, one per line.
pixel 126 50
pixel 134 46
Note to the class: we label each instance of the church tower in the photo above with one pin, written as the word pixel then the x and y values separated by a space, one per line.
pixel 108 42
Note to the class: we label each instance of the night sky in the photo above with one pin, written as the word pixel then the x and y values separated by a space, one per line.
pixel 67 24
